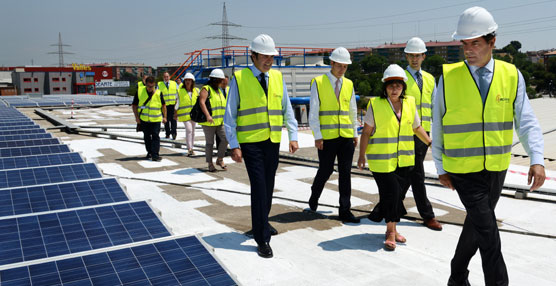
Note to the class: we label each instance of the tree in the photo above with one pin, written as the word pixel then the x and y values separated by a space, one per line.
pixel 433 64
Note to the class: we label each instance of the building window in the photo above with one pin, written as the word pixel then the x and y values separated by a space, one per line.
pixel 56 79
pixel 27 90
pixel 64 89
pixel 36 89
pixel 26 79
pixel 36 79
pixel 63 79
pixel 56 89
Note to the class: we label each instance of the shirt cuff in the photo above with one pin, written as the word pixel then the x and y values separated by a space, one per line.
pixel 440 169
pixel 537 159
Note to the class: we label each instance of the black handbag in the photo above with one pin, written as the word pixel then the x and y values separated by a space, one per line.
pixel 197 113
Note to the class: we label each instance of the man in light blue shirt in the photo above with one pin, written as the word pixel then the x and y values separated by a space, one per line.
pixel 479 191
pixel 260 150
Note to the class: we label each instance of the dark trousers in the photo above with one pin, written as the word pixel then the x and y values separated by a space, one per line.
pixel 391 186
pixel 417 178
pixel 171 126
pixel 341 148
pixel 151 137
pixel 261 162
pixel 479 192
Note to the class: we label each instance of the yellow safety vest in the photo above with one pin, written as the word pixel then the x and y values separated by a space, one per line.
pixel 478 137
pixel 217 104
pixel 152 111
pixel 186 103
pixel 391 145
pixel 169 93
pixel 259 118
pixel 333 115
pixel 423 100
pixel 140 84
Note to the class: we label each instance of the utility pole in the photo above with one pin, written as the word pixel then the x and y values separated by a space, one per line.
pixel 225 36
pixel 60 51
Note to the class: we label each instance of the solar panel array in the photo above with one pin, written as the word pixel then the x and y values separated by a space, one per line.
pixel 62 223
pixel 64 100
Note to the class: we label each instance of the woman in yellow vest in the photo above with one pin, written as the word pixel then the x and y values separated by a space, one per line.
pixel 214 124
pixel 187 96
pixel 387 144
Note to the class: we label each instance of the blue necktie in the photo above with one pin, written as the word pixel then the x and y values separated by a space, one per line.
pixel 262 80
pixel 483 83
pixel 419 81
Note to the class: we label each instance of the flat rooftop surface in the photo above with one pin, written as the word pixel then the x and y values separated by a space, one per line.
pixel 313 248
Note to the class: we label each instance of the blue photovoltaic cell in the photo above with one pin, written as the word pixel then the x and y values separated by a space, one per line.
pixel 182 261
pixel 23 131
pixel 32 142
pixel 25 137
pixel 40 160
pixel 60 196
pixel 48 175
pixel 16 127
pixel 36 150
pixel 21 122
pixel 34 237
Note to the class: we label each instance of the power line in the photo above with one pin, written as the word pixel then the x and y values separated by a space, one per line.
pixel 225 37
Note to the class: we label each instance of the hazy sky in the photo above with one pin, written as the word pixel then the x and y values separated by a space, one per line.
pixel 159 32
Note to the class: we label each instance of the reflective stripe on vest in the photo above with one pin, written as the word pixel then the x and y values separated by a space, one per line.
pixel 423 100
pixel 478 137
pixel 186 103
pixel 333 113
pixel 392 144
pixel 217 104
pixel 169 93
pixel 152 112
pixel 259 118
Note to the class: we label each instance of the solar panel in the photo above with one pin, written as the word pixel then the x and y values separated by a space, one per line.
pixel 27 143
pixel 39 236
pixel 48 175
pixel 35 150
pixel 181 261
pixel 25 137
pixel 17 123
pixel 23 131
pixel 39 160
pixel 60 196
pixel 15 127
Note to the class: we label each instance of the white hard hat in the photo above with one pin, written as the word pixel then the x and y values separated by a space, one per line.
pixel 189 76
pixel 263 44
pixel 415 46
pixel 340 55
pixel 473 23
pixel 217 73
pixel 394 72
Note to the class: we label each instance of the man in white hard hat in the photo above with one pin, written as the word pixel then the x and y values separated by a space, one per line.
pixel 332 117
pixel 477 103
pixel 257 107
pixel 421 85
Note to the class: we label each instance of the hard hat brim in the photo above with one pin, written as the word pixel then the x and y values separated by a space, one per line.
pixel 414 52
pixel 394 78
pixel 341 62
pixel 457 37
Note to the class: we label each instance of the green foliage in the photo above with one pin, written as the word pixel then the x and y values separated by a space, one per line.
pixel 433 64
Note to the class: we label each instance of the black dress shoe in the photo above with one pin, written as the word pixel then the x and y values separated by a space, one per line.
pixel 156 159
pixel 313 204
pixel 264 250
pixel 174 136
pixel 349 217
pixel 167 135
pixel 148 156
pixel 273 231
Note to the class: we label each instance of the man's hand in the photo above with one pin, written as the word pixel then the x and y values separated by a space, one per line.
pixel 164 120
pixel 137 120
pixel 446 181
pixel 236 155
pixel 176 116
pixel 537 175
pixel 355 141
pixel 293 146
pixel 319 143
pixel 210 120
pixel 361 162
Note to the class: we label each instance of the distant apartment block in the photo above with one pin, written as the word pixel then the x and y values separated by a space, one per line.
pixel 451 51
